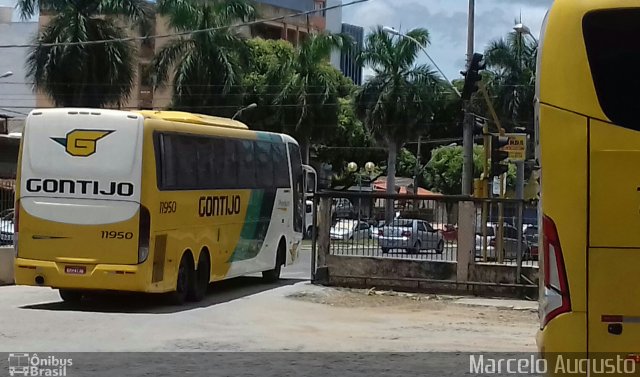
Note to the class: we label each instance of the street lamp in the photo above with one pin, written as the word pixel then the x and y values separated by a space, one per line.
pixel 390 30
pixel 6 74
pixel 521 28
pixel 242 110
pixel 352 167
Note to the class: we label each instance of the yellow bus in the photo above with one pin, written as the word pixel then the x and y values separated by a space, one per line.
pixel 153 201
pixel 588 93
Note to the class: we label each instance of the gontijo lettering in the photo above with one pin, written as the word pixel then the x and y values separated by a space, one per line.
pixel 209 206
pixel 79 186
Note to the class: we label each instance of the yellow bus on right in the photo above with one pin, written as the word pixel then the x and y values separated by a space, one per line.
pixel 588 147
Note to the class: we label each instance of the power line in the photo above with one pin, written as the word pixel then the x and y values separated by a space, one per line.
pixel 183 33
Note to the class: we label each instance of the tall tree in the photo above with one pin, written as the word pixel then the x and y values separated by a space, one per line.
pixel 401 95
pixel 92 75
pixel 206 66
pixel 311 88
pixel 512 65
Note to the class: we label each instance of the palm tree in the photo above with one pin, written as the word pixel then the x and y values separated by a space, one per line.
pixel 205 66
pixel 91 75
pixel 311 87
pixel 400 97
pixel 512 66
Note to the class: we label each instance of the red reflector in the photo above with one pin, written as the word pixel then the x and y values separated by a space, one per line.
pixel 28 267
pixel 612 318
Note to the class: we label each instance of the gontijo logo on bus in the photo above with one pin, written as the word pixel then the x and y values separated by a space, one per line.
pixel 81 142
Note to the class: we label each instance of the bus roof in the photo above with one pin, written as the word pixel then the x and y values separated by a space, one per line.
pixel 184 117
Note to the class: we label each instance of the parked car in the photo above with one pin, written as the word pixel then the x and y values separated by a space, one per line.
pixel 350 230
pixel 308 219
pixel 343 208
pixel 510 242
pixel 6 227
pixel 411 235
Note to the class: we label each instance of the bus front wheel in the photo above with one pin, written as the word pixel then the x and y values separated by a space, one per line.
pixel 271 276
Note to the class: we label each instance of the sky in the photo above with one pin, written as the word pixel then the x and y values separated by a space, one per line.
pixel 446 21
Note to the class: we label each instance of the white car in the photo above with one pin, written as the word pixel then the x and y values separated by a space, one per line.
pixel 350 230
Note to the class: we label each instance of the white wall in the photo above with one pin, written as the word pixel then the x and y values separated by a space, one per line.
pixel 16 95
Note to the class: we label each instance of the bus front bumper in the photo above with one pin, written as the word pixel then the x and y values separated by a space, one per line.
pixel 110 277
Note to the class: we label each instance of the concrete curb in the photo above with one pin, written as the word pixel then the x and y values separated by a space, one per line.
pixel 7 258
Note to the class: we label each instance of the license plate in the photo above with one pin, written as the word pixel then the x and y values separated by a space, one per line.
pixel 75 270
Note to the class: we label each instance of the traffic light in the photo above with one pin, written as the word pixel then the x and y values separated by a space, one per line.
pixel 479 124
pixel 472 76
pixel 498 156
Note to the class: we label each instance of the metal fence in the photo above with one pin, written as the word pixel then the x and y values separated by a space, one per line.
pixel 6 216
pixel 510 233
pixel 422 228
pixel 426 228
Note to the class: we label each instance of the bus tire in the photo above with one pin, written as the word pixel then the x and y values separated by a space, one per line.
pixel 70 295
pixel 200 283
pixel 272 276
pixel 183 281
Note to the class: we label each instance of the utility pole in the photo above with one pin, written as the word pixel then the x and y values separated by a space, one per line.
pixel 467 128
pixel 416 171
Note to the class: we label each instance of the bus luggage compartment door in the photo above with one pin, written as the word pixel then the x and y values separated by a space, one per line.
pixel 614 239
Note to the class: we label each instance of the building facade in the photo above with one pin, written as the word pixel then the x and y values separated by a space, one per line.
pixel 292 29
pixel 348 63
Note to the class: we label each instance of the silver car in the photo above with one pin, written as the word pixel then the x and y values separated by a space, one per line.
pixel 350 230
pixel 411 235
pixel 510 243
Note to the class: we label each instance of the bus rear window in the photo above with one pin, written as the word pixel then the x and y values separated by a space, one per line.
pixel 613 49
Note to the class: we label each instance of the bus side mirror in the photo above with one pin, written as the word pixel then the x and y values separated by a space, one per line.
pixel 310 182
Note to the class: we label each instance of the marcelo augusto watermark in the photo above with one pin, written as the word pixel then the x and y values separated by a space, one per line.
pixel 25 364
pixel 557 364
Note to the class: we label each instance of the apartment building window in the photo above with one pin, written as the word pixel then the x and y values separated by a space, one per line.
pixel 321 5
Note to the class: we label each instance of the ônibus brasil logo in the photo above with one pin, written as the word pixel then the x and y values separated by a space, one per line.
pixel 24 364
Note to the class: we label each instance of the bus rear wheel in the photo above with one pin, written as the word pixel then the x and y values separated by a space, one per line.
pixel 200 283
pixel 271 276
pixel 183 282
pixel 71 296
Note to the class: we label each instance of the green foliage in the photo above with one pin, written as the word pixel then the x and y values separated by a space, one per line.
pixel 443 172
pixel 206 66
pixel 264 81
pixel 511 63
pixel 84 75
pixel 308 99
pixel 406 163
pixel 400 98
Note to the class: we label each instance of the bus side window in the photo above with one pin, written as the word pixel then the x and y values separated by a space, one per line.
pixel 247 168
pixel 230 160
pixel 280 166
pixel 264 164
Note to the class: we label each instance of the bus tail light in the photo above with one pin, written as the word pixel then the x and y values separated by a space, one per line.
pixel 143 234
pixel 556 287
pixel 16 225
